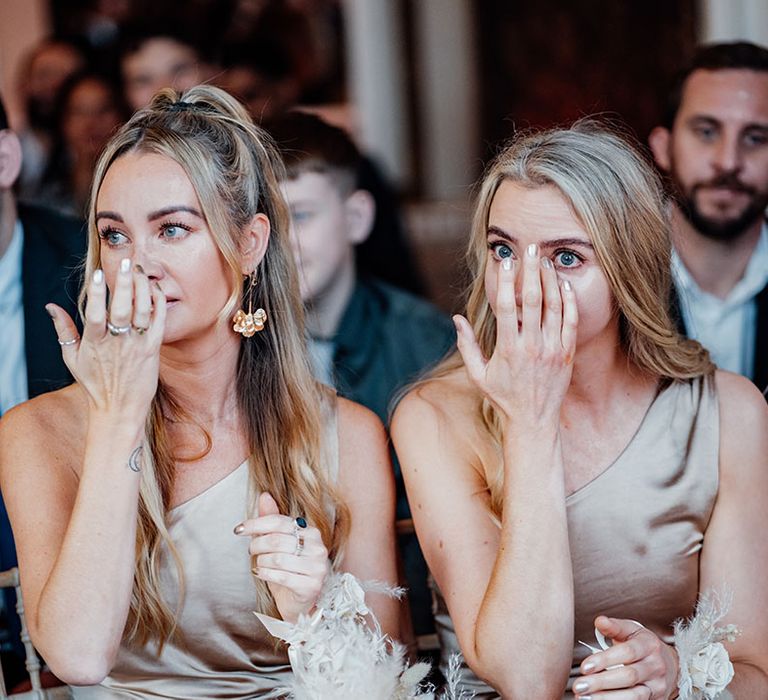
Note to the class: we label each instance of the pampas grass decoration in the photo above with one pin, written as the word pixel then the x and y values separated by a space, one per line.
pixel 339 652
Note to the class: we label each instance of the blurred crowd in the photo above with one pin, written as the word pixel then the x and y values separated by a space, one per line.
pixel 111 56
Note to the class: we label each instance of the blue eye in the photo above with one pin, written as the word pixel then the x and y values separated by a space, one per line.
pixel 301 215
pixel 567 258
pixel 500 250
pixel 174 231
pixel 112 237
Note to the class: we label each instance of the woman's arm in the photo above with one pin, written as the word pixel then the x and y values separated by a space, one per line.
pixel 367 486
pixel 735 552
pixel 76 538
pixel 509 592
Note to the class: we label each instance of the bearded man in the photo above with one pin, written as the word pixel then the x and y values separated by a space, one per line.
pixel 714 147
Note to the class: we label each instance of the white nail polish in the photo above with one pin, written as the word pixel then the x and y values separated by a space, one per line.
pixel 533 250
pixel 546 263
pixel 125 265
pixel 567 285
pixel 98 276
pixel 507 263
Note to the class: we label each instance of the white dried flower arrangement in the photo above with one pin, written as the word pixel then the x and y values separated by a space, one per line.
pixel 340 651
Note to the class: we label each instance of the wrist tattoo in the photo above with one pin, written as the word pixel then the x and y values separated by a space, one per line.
pixel 133 460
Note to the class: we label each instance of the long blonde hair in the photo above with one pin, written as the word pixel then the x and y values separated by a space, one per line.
pixel 619 200
pixel 235 173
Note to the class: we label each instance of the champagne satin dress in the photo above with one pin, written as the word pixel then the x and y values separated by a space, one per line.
pixel 636 530
pixel 222 651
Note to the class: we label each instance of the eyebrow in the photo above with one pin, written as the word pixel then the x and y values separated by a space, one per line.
pixel 705 118
pixel 553 243
pixel 153 216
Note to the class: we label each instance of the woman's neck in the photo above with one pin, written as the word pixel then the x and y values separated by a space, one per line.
pixel 201 377
pixel 601 375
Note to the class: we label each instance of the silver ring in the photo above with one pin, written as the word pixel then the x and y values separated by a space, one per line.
pixel 299 525
pixel 299 544
pixel 118 330
pixel 71 341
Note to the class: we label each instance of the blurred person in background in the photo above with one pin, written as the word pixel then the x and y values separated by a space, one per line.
pixel 48 66
pixel 714 147
pixel 152 60
pixel 39 253
pixel 367 339
pixel 90 111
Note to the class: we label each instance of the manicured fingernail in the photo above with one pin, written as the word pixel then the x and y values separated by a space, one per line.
pixel 456 323
pixel 139 268
pixel 49 311
pixel 567 285
pixel 255 571
pixel 98 276
pixel 580 686
pixel 585 697
pixel 125 265
pixel 239 529
pixel 533 250
pixel 507 263
pixel 546 263
pixel 587 667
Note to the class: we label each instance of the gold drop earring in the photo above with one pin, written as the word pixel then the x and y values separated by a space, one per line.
pixel 252 322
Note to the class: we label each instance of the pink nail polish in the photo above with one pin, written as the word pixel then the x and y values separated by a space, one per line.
pixel 587 667
pixel 546 263
pixel 98 276
pixel 532 250
pixel 507 263
pixel 567 285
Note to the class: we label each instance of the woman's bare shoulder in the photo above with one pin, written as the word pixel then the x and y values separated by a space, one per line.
pixel 52 423
pixel 449 395
pixel 743 423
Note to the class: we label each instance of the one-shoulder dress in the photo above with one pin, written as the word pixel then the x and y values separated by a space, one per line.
pixel 222 650
pixel 637 529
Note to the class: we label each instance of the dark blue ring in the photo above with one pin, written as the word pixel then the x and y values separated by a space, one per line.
pixel 300 522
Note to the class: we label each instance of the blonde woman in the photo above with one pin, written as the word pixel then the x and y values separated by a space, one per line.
pixel 578 464
pixel 193 473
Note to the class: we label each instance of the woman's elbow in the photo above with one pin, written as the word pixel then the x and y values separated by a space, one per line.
pixel 77 666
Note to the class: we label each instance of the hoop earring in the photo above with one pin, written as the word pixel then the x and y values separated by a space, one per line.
pixel 248 324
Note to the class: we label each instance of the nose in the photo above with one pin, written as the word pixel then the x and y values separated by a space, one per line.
pixel 143 257
pixel 727 156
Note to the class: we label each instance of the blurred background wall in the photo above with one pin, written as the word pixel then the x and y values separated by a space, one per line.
pixel 428 87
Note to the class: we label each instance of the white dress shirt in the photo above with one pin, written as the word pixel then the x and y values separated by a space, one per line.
pixel 726 327
pixel 13 361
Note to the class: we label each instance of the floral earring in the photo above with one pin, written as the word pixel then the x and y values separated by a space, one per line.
pixel 252 322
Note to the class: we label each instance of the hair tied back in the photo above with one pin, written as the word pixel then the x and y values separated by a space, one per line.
pixel 181 106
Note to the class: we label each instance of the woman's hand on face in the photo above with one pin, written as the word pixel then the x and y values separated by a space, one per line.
pixel 531 365
pixel 117 359
pixel 294 572
pixel 649 667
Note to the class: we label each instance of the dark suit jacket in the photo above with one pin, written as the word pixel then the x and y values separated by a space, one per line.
pixel 760 370
pixel 54 247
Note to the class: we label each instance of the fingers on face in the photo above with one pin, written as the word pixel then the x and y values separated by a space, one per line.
pixel 506 304
pixel 552 312
pixel 531 293
pixel 96 307
pixel 121 306
pixel 570 321
pixel 142 301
